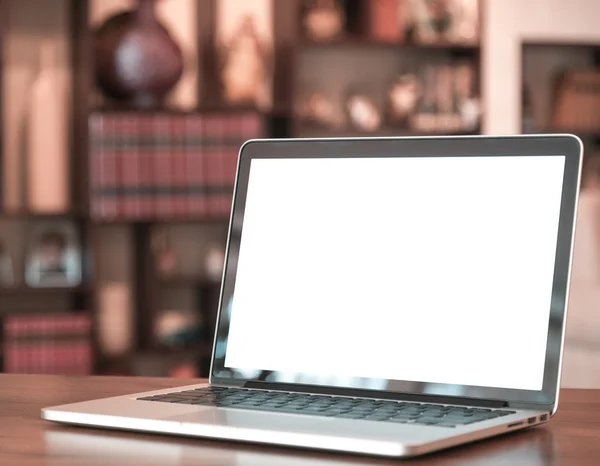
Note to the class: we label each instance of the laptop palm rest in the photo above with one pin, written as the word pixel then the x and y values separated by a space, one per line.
pixel 305 425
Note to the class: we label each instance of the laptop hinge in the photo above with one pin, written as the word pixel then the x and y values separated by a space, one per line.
pixel 386 395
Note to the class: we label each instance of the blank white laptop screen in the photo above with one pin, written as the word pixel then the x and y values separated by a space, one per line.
pixel 429 269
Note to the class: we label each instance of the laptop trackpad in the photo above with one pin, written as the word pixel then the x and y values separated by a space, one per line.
pixel 249 419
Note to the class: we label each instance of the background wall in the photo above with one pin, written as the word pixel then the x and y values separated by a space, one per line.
pixel 506 24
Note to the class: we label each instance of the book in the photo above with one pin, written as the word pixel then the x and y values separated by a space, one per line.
pixel 48 344
pixel 161 165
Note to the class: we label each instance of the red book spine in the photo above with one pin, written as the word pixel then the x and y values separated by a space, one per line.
pixel 111 169
pixel 30 355
pixel 212 159
pixel 23 348
pixel 223 193
pixel 162 167
pixel 195 167
pixel 178 166
pixel 57 359
pixel 8 345
pixel 104 166
pixel 70 350
pixel 85 358
pixel 130 167
pixel 16 363
pixel 42 344
pixel 54 369
pixel 78 358
pixel 88 358
pixel 146 166
pixel 95 144
pixel 28 360
pixel 231 148
pixel 36 357
pixel 120 152
pixel 9 356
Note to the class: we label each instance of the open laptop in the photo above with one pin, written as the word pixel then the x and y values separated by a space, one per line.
pixel 387 296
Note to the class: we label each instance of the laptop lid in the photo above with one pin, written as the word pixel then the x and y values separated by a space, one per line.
pixel 429 266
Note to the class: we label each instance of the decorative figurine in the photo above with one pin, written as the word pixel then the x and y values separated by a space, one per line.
pixel 465 27
pixel 165 256
pixel 318 109
pixel 323 20
pixel 245 74
pixel 403 98
pixel 178 328
pixel 429 21
pixel 448 117
pixel 363 113
pixel 425 118
pixel 468 104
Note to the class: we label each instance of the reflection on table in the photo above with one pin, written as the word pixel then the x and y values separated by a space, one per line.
pixel 534 447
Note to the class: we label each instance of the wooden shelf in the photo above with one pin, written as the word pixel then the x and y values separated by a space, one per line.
pixel 21 290
pixel 201 350
pixel 151 221
pixel 204 109
pixel 180 282
pixel 37 312
pixel 312 131
pixel 28 215
pixel 362 42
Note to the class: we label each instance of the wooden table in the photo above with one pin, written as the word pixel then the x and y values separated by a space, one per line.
pixel 571 438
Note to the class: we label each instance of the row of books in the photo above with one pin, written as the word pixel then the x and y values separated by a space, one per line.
pixel 48 344
pixel 161 165
pixel 577 101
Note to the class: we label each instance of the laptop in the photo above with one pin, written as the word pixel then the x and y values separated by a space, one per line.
pixel 381 296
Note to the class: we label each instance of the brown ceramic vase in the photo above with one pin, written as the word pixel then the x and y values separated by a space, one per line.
pixel 136 60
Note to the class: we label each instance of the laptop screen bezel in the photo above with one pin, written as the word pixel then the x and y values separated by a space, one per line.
pixel 568 146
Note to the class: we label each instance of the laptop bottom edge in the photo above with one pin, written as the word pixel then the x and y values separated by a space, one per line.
pixel 304 438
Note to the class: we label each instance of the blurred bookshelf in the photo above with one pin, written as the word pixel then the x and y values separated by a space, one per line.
pixel 146 186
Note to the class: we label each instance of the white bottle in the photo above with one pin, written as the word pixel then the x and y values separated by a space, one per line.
pixel 47 141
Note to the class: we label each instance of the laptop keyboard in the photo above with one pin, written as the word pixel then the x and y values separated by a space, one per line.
pixel 400 412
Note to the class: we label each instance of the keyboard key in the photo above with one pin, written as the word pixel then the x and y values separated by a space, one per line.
pixel 398 420
pixel 351 415
pixel 446 424
pixel 377 417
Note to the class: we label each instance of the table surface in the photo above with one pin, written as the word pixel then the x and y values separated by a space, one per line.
pixel 570 438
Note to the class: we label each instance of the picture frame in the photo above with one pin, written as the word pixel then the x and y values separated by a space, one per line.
pixel 53 256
